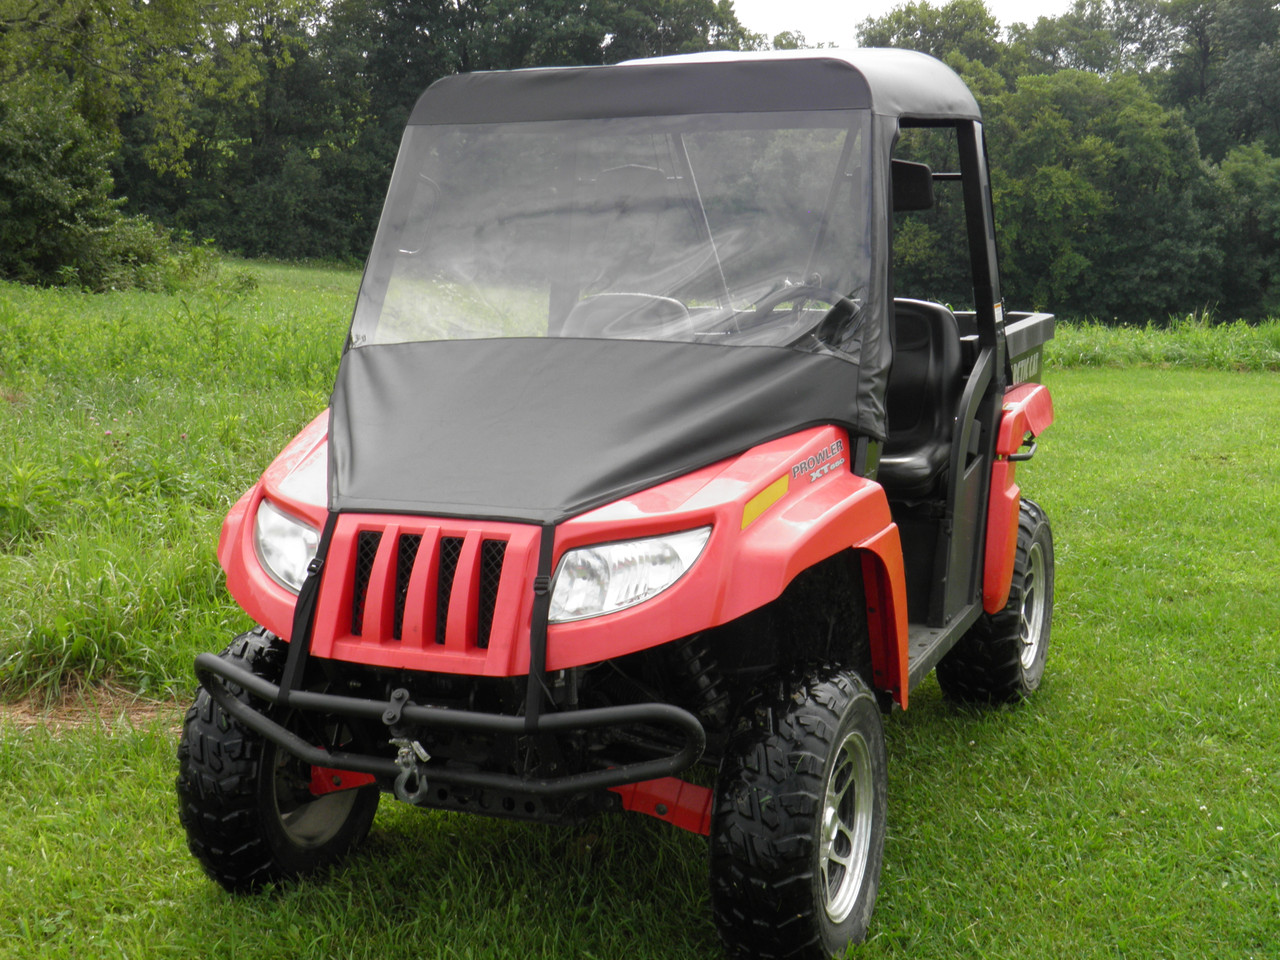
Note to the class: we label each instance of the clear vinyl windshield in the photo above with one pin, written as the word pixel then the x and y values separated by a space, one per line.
pixel 745 229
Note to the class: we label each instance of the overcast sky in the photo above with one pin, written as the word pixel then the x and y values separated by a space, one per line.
pixel 833 21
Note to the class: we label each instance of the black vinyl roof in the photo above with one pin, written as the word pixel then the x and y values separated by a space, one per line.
pixel 897 83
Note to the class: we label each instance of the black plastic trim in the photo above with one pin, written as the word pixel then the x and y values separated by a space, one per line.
pixel 1026 331
pixel 1023 457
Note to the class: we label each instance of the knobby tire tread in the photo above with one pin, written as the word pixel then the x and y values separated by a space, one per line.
pixel 219 767
pixel 763 854
pixel 986 665
pixel 218 772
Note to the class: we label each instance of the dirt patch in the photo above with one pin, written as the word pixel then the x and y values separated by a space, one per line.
pixel 100 708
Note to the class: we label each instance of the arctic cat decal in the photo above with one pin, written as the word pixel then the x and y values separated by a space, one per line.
pixel 811 464
pixel 1028 368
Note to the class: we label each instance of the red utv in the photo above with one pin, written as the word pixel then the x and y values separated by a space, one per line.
pixel 634 466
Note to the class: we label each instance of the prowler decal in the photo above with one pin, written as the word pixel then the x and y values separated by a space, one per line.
pixel 820 464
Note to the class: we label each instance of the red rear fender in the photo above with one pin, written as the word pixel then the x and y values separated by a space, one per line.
pixel 1028 409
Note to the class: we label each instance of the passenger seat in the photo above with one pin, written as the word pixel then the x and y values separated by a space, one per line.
pixel 924 388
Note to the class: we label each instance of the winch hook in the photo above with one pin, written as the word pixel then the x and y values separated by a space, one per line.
pixel 411 781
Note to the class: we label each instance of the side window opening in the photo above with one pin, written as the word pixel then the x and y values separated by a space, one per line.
pixel 930 247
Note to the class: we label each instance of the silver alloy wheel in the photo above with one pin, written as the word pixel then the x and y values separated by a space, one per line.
pixel 307 821
pixel 847 814
pixel 1034 599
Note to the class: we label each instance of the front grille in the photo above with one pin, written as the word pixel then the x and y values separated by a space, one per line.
pixel 491 554
pixel 366 551
pixel 450 551
pixel 425 585
pixel 406 553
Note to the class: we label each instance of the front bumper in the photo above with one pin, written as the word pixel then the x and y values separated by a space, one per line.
pixel 215 673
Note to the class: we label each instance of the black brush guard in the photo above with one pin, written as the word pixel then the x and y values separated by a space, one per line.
pixel 214 673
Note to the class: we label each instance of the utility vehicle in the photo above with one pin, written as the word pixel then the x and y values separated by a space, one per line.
pixel 639 489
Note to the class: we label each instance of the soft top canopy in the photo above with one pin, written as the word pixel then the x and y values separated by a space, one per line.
pixel 589 280
pixel 895 83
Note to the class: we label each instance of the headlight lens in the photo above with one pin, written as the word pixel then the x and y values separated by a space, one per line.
pixel 596 580
pixel 285 546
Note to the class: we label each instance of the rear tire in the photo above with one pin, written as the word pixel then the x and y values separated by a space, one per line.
pixel 798 828
pixel 1001 659
pixel 246 805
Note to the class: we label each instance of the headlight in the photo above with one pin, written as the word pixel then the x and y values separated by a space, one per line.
pixel 612 576
pixel 285 546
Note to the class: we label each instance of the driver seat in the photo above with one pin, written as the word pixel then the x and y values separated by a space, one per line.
pixel 924 387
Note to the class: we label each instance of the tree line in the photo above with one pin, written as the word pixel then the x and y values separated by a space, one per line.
pixel 1135 143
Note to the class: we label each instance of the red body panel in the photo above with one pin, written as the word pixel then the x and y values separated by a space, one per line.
pixel 458 648
pixel 1028 408
pixel 325 780
pixel 679 803
pixel 801 514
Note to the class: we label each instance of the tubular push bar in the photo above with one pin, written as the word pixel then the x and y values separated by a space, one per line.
pixel 214 673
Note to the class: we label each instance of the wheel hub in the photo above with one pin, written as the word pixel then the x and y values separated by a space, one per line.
pixel 307 820
pixel 1031 614
pixel 845 837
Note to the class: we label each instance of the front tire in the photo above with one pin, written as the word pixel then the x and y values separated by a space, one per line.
pixel 798 829
pixel 1001 659
pixel 246 805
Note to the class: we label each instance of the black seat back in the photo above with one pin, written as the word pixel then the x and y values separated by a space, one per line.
pixel 924 386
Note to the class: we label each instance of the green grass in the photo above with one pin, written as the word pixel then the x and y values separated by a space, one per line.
pixel 129 423
pixel 1191 342
pixel 1129 810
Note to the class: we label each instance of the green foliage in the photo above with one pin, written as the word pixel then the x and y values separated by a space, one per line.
pixel 1191 341
pixel 58 221
pixel 789 40
pixel 299 168
pixel 1249 181
pixel 1225 71
pixel 1133 142
pixel 1095 119
pixel 1102 36
pixel 1104 206
pixel 70 72
pixel 56 211
pixel 964 27
pixel 124 57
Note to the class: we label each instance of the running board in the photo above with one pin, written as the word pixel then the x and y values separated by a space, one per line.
pixel 927 645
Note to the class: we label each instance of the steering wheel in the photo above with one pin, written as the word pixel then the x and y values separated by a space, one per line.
pixel 842 308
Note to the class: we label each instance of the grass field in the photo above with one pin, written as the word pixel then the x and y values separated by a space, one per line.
pixel 1131 809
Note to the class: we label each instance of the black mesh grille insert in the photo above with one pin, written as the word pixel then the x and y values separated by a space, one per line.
pixel 491 553
pixel 450 550
pixel 405 554
pixel 366 549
